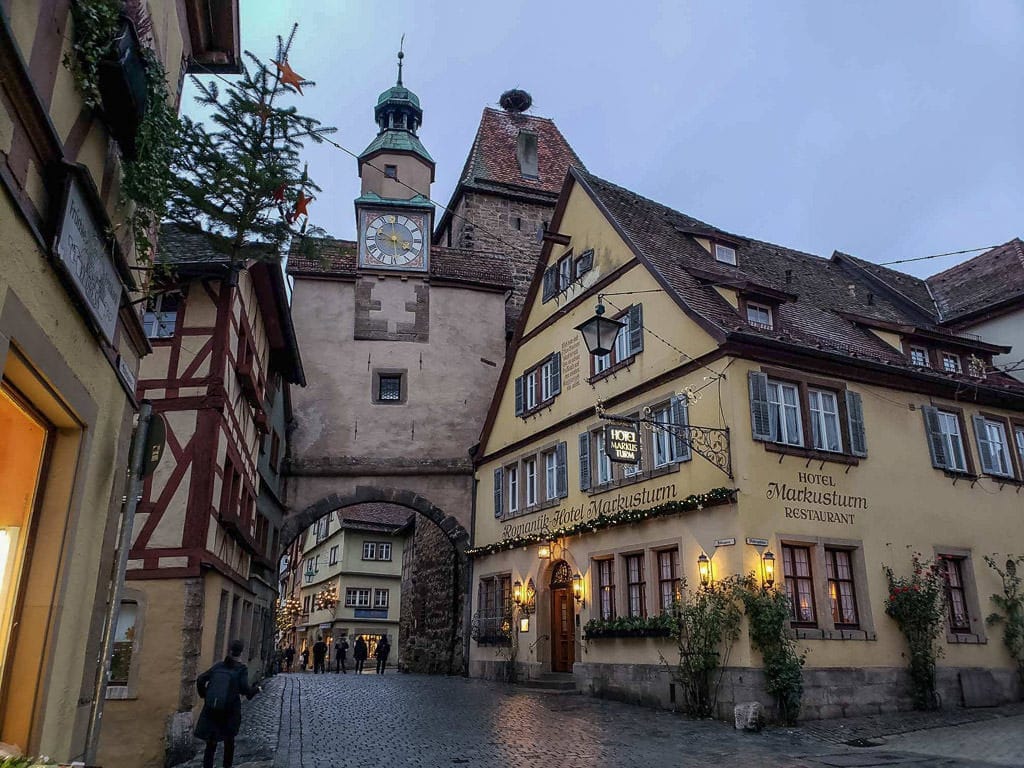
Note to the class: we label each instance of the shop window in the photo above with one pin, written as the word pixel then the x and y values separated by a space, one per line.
pixel 945 439
pixel 840 587
pixel 605 575
pixel 668 579
pixel 636 594
pixel 493 620
pixel 796 565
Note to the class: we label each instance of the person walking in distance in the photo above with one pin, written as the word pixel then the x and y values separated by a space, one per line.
pixel 340 652
pixel 289 657
pixel 359 653
pixel 319 655
pixel 305 658
pixel 383 649
pixel 221 687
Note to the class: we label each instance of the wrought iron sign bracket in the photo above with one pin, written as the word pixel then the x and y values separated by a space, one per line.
pixel 710 443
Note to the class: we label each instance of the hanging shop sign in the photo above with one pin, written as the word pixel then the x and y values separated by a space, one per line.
pixel 622 443
pixel 82 255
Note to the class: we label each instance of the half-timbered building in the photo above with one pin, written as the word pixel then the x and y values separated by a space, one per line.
pixel 223 346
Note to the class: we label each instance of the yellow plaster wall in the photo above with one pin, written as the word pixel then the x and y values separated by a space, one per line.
pixel 894 340
pixel 589 229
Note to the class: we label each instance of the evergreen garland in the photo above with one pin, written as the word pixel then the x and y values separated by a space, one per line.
pixel 710 498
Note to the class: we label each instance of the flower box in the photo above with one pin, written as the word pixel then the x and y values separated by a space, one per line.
pixel 602 633
pixel 122 85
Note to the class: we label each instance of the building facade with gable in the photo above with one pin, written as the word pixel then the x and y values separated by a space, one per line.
pixel 71 339
pixel 788 411
pixel 404 338
pixel 203 547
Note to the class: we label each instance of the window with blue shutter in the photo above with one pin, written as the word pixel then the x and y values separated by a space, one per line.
pixel 550 283
pixel 760 418
pixel 855 418
pixel 556 373
pixel 680 414
pixel 499 480
pixel 635 317
pixel 562 481
pixel 584 461
pixel 519 396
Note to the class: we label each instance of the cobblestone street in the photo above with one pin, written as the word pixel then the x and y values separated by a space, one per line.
pixel 324 721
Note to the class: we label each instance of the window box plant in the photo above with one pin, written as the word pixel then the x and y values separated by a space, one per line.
pixel 663 625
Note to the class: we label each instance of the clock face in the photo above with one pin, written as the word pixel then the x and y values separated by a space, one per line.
pixel 393 240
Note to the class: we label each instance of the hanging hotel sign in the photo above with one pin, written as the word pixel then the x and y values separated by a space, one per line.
pixel 81 253
pixel 622 443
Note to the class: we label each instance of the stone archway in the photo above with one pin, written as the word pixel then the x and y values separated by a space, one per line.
pixel 297 522
pixel 444 573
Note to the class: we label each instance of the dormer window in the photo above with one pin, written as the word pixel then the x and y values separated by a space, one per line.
pixel 951 363
pixel 919 357
pixel 725 254
pixel 759 316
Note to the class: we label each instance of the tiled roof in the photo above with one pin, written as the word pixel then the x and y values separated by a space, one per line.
pixel 376 514
pixel 911 288
pixel 991 278
pixel 339 258
pixel 180 245
pixel 827 291
pixel 492 162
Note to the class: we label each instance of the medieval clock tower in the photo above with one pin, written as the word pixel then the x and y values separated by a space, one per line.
pixel 394 215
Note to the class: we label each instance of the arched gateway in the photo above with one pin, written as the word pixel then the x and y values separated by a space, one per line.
pixel 433 605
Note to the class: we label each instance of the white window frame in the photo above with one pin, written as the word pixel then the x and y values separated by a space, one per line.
pixel 378 594
pixel 530 480
pixel 622 345
pixel 369 550
pixel 530 390
pixel 726 254
pixel 333 559
pixel 924 357
pixel 547 376
pixel 550 475
pixel 822 416
pixel 354 597
pixel 604 464
pixel 565 272
pixel 1018 434
pixel 760 315
pixel 777 408
pixel 999 446
pixel 948 419
pixel 951 363
pixel 513 487
pixel 384 550
pixel 665 452
pixel 603 362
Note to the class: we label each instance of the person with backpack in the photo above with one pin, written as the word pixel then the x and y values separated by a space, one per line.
pixel 221 687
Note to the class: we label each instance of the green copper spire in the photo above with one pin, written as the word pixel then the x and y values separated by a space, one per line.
pixel 399 116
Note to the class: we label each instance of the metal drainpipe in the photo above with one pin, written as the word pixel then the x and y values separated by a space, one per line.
pixel 113 609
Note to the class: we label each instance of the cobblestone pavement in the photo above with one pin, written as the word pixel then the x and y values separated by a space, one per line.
pixel 342 721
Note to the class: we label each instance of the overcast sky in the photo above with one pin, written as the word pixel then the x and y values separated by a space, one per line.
pixel 888 130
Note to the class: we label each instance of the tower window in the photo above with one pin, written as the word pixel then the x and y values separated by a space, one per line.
pixel 389 387
pixel 391 171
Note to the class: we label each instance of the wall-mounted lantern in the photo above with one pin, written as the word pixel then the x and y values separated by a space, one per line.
pixel 517 593
pixel 704 569
pixel 599 332
pixel 577 590
pixel 544 550
pixel 768 568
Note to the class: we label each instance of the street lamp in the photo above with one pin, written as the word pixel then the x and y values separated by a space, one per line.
pixel 768 564
pixel 599 332
pixel 704 569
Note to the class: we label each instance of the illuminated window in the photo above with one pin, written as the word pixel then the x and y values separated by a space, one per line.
pixel 796 564
pixel 840 587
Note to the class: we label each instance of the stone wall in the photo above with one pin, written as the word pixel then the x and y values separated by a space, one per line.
pixel 503 225
pixel 430 624
pixel 828 693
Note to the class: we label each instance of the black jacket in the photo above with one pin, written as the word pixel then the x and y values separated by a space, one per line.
pixel 359 652
pixel 220 725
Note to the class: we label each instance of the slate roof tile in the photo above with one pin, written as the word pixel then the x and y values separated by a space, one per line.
pixel 492 158
pixel 988 279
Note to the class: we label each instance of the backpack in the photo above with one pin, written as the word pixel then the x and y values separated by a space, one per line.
pixel 222 690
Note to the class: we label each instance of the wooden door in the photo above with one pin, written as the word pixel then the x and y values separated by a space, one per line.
pixel 563 631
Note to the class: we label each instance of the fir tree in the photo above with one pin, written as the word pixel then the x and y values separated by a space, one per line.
pixel 241 179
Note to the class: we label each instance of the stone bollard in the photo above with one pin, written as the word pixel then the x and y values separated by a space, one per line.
pixel 749 716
